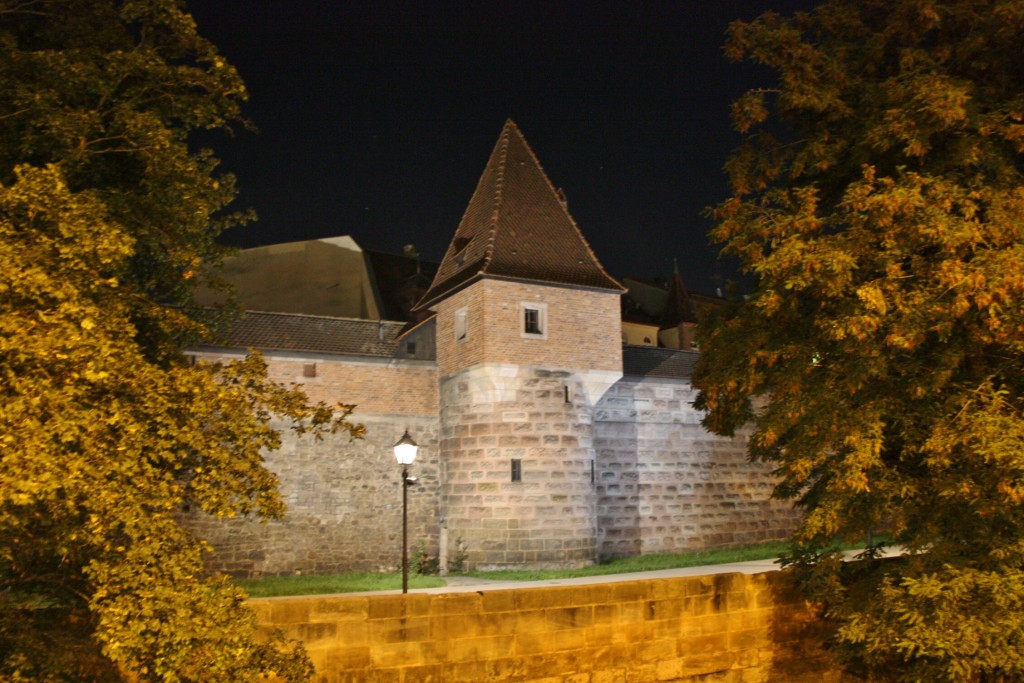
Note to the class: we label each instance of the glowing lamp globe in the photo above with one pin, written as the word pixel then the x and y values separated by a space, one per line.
pixel 405 449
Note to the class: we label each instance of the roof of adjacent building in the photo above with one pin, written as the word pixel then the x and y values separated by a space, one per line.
pixel 650 361
pixel 327 277
pixel 314 334
pixel 517 226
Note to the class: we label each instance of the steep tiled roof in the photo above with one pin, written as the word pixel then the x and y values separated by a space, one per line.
pixel 678 308
pixel 648 361
pixel 314 334
pixel 517 227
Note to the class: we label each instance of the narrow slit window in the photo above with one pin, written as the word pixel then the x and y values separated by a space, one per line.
pixel 517 469
pixel 567 393
pixel 461 325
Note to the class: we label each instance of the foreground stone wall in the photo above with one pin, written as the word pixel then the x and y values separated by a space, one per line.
pixel 667 485
pixel 728 628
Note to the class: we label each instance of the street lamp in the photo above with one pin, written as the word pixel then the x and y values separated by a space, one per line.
pixel 405 453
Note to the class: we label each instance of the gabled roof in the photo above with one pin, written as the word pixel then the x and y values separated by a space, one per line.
pixel 517 226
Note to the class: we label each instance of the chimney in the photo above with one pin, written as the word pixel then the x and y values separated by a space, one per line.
pixel 562 199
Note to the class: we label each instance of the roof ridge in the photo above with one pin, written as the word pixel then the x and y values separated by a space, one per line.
pixel 499 187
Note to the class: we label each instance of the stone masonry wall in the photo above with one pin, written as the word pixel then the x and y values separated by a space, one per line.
pixel 728 628
pixel 515 400
pixel 660 482
pixel 667 485
pixel 492 415
pixel 344 497
pixel 344 506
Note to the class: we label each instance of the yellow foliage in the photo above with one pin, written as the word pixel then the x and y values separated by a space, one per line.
pixel 105 431
pixel 886 235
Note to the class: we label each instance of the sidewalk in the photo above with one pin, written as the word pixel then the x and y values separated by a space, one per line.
pixel 473 584
pixel 470 584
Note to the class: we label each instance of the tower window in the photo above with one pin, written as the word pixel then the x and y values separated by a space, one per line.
pixel 517 469
pixel 534 320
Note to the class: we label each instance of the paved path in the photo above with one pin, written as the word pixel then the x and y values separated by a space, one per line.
pixel 470 584
pixel 473 584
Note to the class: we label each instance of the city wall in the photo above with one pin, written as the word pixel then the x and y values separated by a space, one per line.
pixel 634 474
pixel 344 503
pixel 666 484
pixel 728 628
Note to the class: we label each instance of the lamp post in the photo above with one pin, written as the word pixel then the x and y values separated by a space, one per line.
pixel 405 453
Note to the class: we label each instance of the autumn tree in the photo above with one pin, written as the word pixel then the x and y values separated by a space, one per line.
pixel 878 200
pixel 108 219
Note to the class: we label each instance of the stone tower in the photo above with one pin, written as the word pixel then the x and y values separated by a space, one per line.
pixel 528 340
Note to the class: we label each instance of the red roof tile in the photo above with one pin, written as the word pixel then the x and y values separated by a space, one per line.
pixel 313 334
pixel 517 227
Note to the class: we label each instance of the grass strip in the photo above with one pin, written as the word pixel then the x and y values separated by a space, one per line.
pixel 359 582
pixel 270 586
pixel 643 563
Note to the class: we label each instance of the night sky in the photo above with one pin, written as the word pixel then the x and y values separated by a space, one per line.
pixel 375 119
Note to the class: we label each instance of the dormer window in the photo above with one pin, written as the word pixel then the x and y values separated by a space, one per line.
pixel 459 246
pixel 533 320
